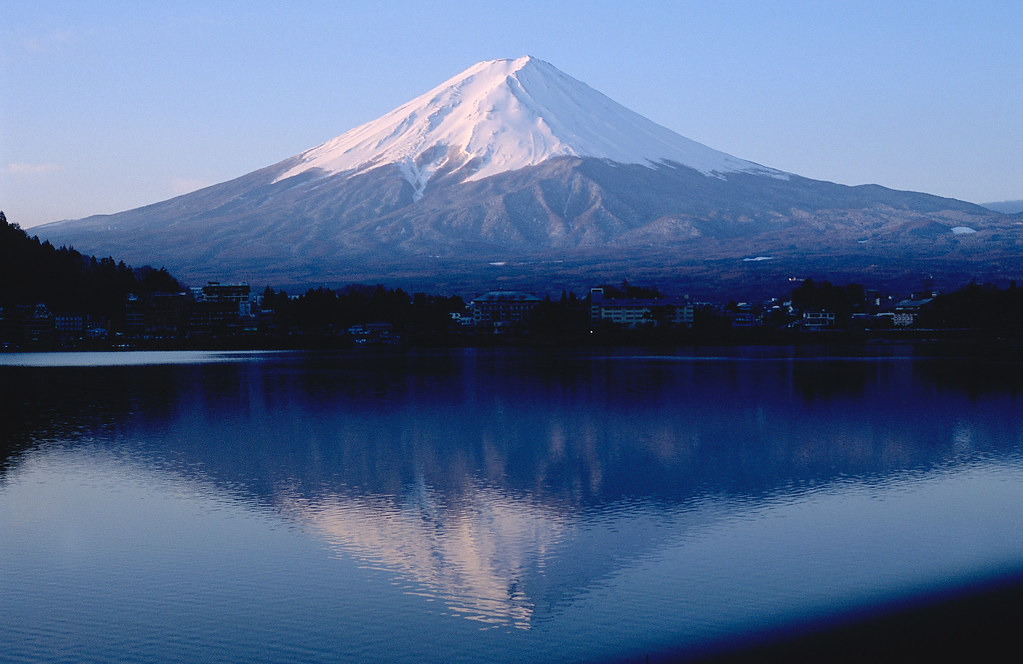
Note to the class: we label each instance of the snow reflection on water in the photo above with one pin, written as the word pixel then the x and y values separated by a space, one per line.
pixel 335 508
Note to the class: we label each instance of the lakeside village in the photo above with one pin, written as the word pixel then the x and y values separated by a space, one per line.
pixel 232 316
pixel 57 299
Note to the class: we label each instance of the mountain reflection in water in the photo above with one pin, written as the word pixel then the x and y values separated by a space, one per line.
pixel 515 488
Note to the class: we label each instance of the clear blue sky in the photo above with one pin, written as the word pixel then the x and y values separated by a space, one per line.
pixel 106 106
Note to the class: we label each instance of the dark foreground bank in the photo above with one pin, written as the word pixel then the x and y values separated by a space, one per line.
pixel 981 624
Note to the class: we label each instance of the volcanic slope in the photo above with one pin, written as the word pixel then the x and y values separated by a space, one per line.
pixel 515 171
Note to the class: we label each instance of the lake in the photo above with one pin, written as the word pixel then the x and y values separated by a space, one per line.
pixel 492 505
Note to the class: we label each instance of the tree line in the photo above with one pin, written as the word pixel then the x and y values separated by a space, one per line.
pixel 34 271
pixel 325 312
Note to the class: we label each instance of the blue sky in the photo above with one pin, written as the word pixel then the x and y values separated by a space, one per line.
pixel 106 106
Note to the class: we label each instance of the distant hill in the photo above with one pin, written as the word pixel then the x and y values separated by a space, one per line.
pixel 1006 207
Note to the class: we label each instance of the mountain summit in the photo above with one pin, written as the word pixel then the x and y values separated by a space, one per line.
pixel 514 172
pixel 503 115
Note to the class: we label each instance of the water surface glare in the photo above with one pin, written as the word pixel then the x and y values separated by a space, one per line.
pixel 499 506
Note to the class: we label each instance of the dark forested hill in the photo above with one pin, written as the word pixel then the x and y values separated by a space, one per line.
pixel 33 272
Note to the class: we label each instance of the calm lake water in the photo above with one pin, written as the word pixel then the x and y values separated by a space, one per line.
pixel 488 506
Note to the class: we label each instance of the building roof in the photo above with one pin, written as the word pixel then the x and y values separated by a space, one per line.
pixel 914 304
pixel 507 296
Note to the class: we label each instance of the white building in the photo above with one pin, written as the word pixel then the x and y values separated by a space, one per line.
pixel 634 312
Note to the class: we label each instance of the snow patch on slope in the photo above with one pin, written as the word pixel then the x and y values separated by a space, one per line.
pixel 503 115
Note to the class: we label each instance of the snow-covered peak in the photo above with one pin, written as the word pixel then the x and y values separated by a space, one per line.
pixel 502 115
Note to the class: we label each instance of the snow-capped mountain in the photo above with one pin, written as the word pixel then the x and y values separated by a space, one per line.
pixel 515 171
pixel 503 115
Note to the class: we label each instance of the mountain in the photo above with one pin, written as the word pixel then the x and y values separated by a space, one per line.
pixel 501 116
pixel 513 173
pixel 1006 207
